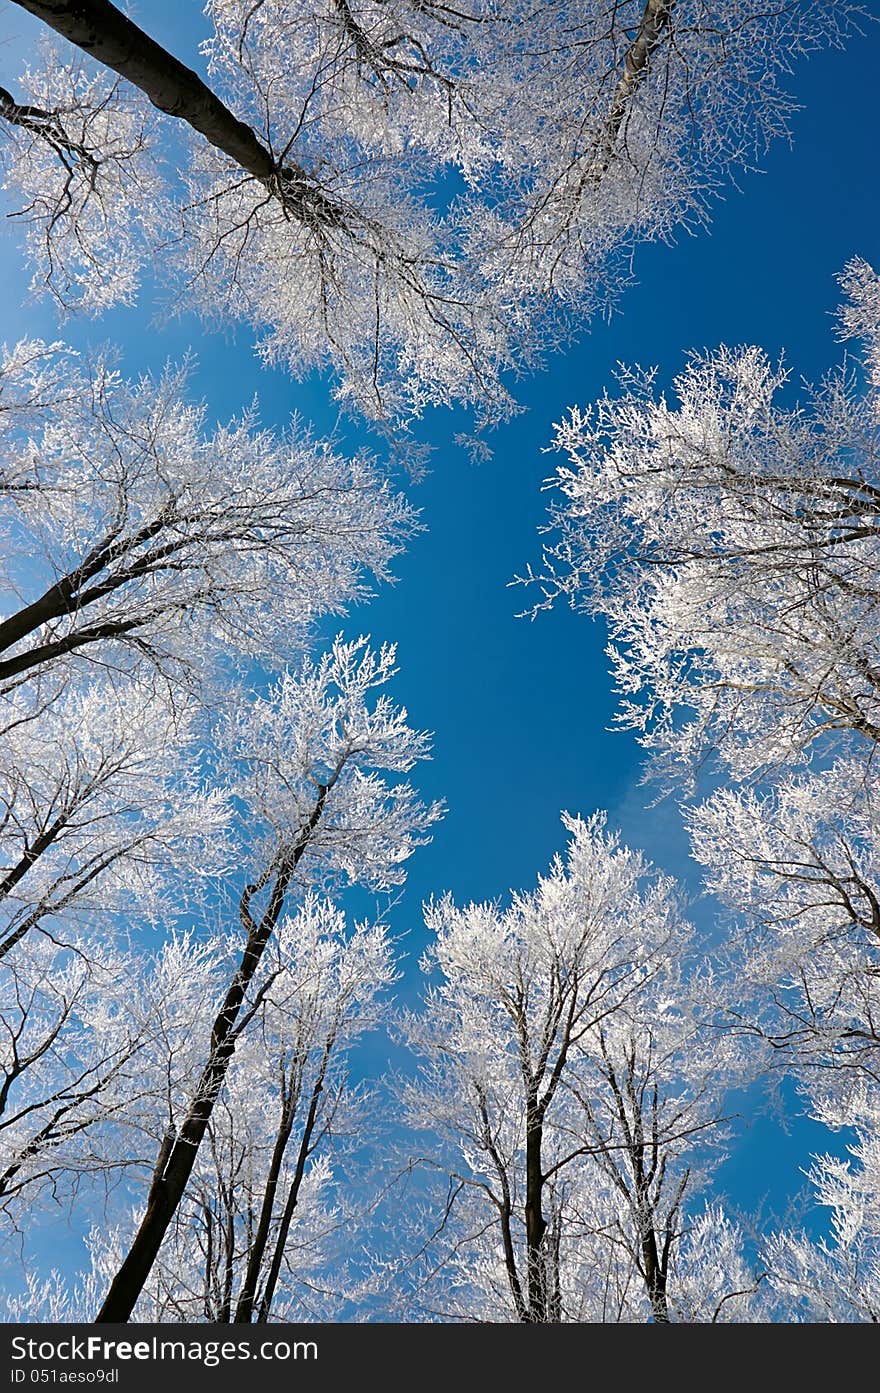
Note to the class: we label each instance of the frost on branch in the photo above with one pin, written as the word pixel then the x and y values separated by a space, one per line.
pixel 733 544
pixel 569 1097
pixel 84 179
pixel 412 195
pixel 837 1278
pixel 70 1042
pixel 137 538
pixel 262 1227
pixel 799 864
pixel 103 812
pixel 860 318
pixel 323 734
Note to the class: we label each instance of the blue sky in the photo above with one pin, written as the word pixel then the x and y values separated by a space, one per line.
pixel 520 709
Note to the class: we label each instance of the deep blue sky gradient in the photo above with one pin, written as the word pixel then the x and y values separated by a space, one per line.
pixel 521 709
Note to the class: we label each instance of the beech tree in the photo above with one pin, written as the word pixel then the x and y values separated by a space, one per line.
pixel 306 766
pixel 569 1079
pixel 732 545
pixel 135 537
pixel 71 1039
pixel 143 555
pixel 410 194
pixel 260 1218
pixel 837 1278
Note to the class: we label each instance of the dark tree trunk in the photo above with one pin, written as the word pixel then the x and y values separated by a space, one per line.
pixel 305 1148
pixel 225 1312
pixel 33 853
pixel 173 1172
pixel 104 32
pixel 69 595
pixel 655 1276
pixel 536 1224
pixel 177 1157
pixel 245 1305
pixel 505 1212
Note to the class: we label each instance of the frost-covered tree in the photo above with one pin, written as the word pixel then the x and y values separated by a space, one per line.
pixel 307 770
pixel 837 1278
pixel 136 536
pixel 263 1230
pixel 403 192
pixel 570 1092
pixel 259 1233
pixel 71 1043
pixel 144 555
pixel 799 864
pixel 732 543
pixel 261 1215
pixel 645 1107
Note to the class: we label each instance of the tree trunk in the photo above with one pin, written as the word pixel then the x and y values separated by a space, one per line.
pixel 536 1224
pixel 305 1147
pixel 173 1173
pixel 245 1305
pixel 224 1314
pixel 655 1276
pixel 656 18
pixel 109 36
pixel 106 34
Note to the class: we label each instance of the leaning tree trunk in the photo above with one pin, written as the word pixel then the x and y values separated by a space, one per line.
pixel 177 1156
pixel 657 18
pixel 104 32
pixel 110 37
pixel 178 1152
